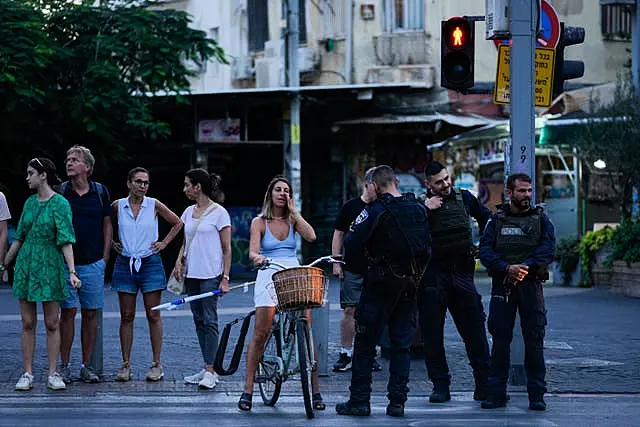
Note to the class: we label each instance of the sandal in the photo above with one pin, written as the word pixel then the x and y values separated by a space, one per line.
pixel 318 404
pixel 245 402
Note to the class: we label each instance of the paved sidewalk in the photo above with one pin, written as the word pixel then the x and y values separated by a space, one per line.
pixel 592 346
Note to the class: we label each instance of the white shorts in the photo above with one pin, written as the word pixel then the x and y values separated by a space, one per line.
pixel 263 293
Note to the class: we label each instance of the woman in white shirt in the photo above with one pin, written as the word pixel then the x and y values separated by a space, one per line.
pixel 139 266
pixel 205 263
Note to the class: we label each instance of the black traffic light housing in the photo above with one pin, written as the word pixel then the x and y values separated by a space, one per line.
pixel 567 69
pixel 457 53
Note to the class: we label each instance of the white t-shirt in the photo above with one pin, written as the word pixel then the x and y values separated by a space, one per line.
pixel 5 215
pixel 204 255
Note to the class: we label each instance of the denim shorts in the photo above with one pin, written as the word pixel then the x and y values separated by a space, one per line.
pixel 91 294
pixel 149 278
pixel 350 289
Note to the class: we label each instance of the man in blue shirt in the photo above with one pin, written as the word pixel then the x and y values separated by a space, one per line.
pixel 91 210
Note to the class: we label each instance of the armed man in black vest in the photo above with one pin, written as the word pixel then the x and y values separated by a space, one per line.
pixel 395 234
pixel 448 283
pixel 517 246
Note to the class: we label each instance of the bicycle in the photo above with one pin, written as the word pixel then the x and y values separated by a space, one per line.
pixel 289 348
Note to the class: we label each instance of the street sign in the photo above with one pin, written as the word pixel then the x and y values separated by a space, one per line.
pixel 545 58
pixel 549 28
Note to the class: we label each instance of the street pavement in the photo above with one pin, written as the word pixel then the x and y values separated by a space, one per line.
pixel 592 351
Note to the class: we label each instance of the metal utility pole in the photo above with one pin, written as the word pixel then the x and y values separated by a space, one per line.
pixel 522 154
pixel 292 165
pixel 292 113
pixel 635 46
pixel 635 69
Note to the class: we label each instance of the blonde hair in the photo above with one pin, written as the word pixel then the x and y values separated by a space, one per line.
pixel 267 204
pixel 89 160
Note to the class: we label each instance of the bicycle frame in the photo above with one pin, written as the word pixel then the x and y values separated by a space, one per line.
pixel 289 320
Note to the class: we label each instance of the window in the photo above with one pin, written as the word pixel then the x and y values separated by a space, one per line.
pixel 258 14
pixel 615 22
pixel 404 15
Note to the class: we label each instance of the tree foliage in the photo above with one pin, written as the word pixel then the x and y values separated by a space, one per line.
pixel 612 134
pixel 84 72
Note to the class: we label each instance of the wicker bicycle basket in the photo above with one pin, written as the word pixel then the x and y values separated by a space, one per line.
pixel 299 288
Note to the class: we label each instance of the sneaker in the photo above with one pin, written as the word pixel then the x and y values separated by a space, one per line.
pixel 349 408
pixel 155 372
pixel 209 380
pixel 55 382
pixel 124 373
pixel 65 373
pixel 195 378
pixel 376 366
pixel 88 376
pixel 343 364
pixel 25 382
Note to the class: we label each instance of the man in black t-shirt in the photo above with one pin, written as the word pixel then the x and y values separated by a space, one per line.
pixel 352 274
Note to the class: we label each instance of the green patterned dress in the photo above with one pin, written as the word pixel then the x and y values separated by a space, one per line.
pixel 44 228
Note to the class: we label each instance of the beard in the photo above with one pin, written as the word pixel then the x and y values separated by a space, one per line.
pixel 523 203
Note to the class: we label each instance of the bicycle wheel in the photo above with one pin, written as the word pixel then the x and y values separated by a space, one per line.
pixel 269 379
pixel 306 364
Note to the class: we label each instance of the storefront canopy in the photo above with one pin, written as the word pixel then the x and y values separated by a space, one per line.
pixel 453 119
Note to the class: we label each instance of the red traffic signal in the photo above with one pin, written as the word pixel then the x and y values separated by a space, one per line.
pixel 457 53
pixel 457 33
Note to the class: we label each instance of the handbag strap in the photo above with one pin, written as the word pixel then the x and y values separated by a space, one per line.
pixel 205 213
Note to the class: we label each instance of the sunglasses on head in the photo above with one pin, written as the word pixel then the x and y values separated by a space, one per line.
pixel 37 160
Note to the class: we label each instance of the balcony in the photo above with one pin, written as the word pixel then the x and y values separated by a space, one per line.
pixel 403 48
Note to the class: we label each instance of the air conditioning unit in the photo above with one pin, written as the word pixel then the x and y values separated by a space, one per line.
pixel 274 49
pixel 497 19
pixel 269 72
pixel 242 68
pixel 306 59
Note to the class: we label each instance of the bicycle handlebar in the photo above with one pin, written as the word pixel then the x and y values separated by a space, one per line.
pixel 269 262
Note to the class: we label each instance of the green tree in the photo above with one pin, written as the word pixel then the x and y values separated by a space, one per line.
pixel 612 134
pixel 79 72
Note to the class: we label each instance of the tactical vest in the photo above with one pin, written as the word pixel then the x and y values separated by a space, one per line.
pixel 406 228
pixel 450 229
pixel 516 237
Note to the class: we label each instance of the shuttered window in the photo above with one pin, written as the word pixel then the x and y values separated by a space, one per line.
pixel 258 17
pixel 615 22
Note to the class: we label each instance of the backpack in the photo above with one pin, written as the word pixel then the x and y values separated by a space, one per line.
pixel 99 188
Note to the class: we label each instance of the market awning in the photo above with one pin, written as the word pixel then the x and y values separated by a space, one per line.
pixel 582 100
pixel 390 119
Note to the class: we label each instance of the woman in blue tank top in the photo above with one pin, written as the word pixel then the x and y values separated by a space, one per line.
pixel 273 237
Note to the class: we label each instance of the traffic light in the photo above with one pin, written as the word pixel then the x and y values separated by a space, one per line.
pixel 567 69
pixel 457 53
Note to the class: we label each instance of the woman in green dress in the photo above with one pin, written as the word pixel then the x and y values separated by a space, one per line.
pixel 42 244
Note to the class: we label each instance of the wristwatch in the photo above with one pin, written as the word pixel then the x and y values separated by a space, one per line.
pixel 3 267
pixel 226 276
